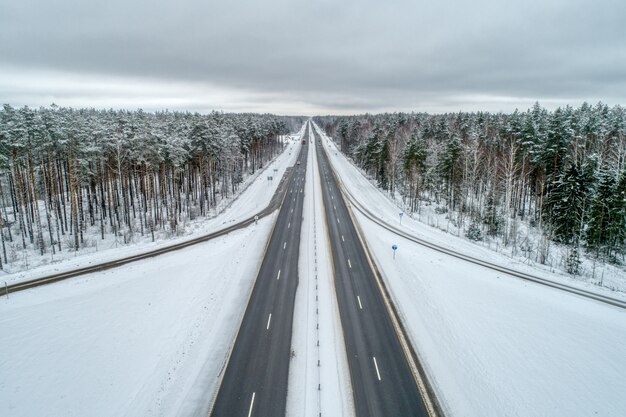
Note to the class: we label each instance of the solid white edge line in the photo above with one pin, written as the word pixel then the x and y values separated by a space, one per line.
pixel 251 404
pixel 269 319
pixel 376 366
pixel 359 299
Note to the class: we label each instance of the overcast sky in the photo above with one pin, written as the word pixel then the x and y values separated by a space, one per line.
pixel 314 56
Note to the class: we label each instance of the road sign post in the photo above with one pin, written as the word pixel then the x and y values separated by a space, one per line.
pixel 256 219
pixel 395 248
pixel 401 214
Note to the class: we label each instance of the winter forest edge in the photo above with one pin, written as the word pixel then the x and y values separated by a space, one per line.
pixel 547 186
pixel 72 177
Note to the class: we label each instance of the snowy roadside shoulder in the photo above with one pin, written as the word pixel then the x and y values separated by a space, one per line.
pixel 254 195
pixel 493 346
pixel 145 339
pixel 388 211
pixel 319 378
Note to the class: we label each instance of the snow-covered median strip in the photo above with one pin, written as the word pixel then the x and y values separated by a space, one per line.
pixel 319 378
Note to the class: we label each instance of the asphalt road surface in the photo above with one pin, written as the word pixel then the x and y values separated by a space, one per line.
pixel 255 379
pixel 382 382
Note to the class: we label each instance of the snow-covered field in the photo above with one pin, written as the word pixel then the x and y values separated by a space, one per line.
pixel 499 346
pixel 494 345
pixel 148 338
pixel 253 196
pixel 145 339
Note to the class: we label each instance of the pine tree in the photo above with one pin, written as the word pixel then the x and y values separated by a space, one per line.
pixel 601 213
pixel 567 203
pixel 618 217
pixel 413 166
pixel 447 168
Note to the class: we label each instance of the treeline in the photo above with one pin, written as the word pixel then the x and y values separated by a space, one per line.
pixel 65 170
pixel 562 173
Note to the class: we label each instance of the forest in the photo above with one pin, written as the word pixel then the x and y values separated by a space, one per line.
pixel 526 178
pixel 66 172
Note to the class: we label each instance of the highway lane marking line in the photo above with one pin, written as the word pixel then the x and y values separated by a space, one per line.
pixel 285 245
pixel 269 319
pixel 289 225
pixel 292 210
pixel 251 404
pixel 376 366
pixel 342 239
pixel 278 276
pixel 359 299
pixel 349 264
pixel 338 221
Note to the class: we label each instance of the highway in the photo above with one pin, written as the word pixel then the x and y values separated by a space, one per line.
pixel 255 380
pixel 382 381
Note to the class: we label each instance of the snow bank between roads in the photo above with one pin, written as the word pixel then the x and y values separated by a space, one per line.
pixel 495 345
pixel 313 388
pixel 145 339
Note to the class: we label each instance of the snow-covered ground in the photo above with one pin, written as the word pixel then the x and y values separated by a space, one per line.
pixel 324 386
pixel 151 338
pixel 494 345
pixel 499 346
pixel 145 339
pixel 253 196
pixel 148 338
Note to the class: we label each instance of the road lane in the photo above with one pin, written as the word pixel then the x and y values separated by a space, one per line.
pixel 371 340
pixel 255 379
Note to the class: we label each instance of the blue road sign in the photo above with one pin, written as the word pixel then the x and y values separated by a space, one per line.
pixel 394 247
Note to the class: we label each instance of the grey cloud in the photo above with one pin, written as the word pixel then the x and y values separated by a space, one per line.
pixel 341 55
